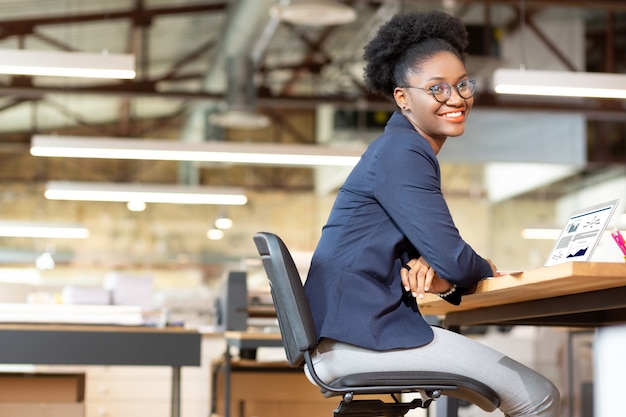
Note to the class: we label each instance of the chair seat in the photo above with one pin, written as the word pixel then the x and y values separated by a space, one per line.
pixel 297 329
pixel 441 383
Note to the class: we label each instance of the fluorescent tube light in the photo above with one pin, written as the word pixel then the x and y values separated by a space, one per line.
pixel 559 83
pixel 43 230
pixel 67 64
pixel 168 150
pixel 147 193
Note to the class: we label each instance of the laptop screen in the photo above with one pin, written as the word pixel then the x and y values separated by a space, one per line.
pixel 581 233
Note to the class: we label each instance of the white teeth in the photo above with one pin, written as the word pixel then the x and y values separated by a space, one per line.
pixel 453 114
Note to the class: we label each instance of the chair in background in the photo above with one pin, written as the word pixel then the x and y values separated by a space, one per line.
pixel 299 339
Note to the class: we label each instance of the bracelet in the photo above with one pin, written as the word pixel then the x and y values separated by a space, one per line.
pixel 447 293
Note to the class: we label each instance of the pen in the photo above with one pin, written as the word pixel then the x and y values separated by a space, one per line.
pixel 619 239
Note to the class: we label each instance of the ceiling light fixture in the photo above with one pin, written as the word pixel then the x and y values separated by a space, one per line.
pixel 148 193
pixel 223 222
pixel 215 234
pixel 239 119
pixel 559 83
pixel 313 13
pixel 167 150
pixel 67 64
pixel 43 230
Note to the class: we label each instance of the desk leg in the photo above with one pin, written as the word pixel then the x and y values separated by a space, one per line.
pixel 175 391
pixel 447 407
pixel 227 369
pixel 609 370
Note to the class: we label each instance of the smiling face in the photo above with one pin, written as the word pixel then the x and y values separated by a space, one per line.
pixel 432 119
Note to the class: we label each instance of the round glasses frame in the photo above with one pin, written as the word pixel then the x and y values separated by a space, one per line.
pixel 442 91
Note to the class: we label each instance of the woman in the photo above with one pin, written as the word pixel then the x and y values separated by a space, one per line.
pixel 390 237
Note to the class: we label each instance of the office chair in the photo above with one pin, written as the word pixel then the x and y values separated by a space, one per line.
pixel 299 339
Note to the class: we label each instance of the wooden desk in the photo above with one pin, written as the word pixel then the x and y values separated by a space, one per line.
pixel 577 294
pixel 42 344
pixel 243 340
pixel 581 294
pixel 248 340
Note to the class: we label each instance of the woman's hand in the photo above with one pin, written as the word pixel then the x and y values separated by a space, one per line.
pixel 494 269
pixel 419 278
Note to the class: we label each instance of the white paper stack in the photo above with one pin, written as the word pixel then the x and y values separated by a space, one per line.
pixel 70 314
pixel 73 294
pixel 130 290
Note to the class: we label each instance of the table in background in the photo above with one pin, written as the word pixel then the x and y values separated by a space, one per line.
pixel 243 340
pixel 42 344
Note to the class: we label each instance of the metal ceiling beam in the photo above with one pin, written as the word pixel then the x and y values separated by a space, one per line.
pixel 617 5
pixel 14 27
pixel 595 109
pixel 549 43
pixel 147 88
pixel 311 61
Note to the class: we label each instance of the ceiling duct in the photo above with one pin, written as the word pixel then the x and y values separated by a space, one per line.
pixel 243 26
pixel 240 112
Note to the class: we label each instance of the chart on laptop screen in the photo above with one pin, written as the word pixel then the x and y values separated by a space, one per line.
pixel 581 233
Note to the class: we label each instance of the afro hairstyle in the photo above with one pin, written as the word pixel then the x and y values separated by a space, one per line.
pixel 406 41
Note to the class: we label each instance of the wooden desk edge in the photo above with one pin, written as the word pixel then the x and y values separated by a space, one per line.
pixel 490 287
pixel 248 335
pixel 91 328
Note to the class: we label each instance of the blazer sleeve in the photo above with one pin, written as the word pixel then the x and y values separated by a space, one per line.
pixel 408 187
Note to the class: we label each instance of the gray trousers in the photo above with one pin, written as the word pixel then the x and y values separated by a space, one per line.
pixel 522 391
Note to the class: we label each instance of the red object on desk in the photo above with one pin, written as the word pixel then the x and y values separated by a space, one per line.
pixel 619 239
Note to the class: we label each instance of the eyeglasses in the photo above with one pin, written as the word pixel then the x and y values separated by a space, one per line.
pixel 442 91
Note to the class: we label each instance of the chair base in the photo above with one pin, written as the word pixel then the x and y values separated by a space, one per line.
pixel 378 408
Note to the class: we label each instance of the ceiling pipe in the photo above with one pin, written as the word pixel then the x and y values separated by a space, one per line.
pixel 241 110
pixel 241 94
pixel 243 26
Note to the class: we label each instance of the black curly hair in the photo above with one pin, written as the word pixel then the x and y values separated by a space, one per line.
pixel 405 42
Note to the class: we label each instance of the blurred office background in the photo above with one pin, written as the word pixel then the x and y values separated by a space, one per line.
pixel 266 76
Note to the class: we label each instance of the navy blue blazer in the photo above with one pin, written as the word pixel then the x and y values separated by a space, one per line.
pixel 390 209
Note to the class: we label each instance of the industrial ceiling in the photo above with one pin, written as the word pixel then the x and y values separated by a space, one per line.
pixel 198 58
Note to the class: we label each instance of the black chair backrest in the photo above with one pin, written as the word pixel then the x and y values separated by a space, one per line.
pixel 292 307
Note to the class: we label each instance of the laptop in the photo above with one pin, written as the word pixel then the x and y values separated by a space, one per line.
pixel 581 233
